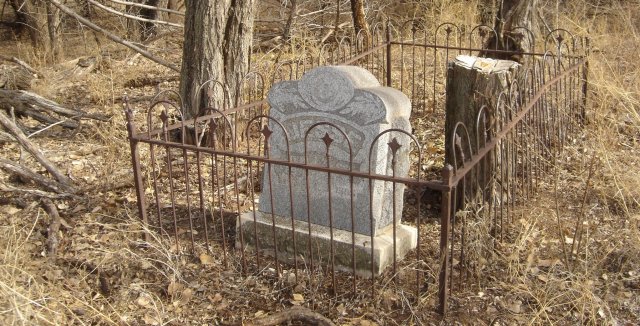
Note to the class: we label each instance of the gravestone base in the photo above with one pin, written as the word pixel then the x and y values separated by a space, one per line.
pixel 406 240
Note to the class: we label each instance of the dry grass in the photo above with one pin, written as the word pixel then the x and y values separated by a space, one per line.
pixel 107 275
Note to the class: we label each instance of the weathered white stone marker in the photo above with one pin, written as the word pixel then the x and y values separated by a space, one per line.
pixel 319 113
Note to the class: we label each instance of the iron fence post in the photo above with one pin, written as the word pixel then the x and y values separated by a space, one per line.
pixel 585 80
pixel 135 161
pixel 445 230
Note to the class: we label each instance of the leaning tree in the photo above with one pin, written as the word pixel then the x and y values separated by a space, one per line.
pixel 217 46
pixel 359 22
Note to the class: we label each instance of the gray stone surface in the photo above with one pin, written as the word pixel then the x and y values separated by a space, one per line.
pixel 352 100
pixel 257 231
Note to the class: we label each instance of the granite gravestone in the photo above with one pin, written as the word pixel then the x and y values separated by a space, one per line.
pixel 351 100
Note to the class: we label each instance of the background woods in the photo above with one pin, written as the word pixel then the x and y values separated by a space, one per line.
pixel 76 251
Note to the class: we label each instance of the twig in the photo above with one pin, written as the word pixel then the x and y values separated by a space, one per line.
pixel 132 17
pixel 295 313
pixel 544 21
pixel 577 233
pixel 61 122
pixel 113 37
pixel 54 227
pixel 35 151
pixel 140 5
pixel 557 204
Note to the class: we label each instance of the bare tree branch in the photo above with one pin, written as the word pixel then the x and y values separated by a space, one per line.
pixel 113 37
pixel 133 17
pixel 5 137
pixel 140 5
pixel 35 151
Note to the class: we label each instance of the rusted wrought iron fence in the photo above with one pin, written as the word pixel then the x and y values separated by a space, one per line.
pixel 195 176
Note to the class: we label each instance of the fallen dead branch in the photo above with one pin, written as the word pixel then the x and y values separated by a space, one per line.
pixel 35 151
pixel 33 192
pixel 26 173
pixel 41 117
pixel 25 101
pixel 331 31
pixel 5 137
pixel 295 313
pixel 53 229
pixel 20 63
pixel 150 81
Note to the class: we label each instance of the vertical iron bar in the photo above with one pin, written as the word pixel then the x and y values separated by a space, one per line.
pixel 273 215
pixel 201 197
pixel 445 229
pixel 171 183
pixel 154 174
pixel 187 194
pixel 237 190
pixel 137 173
pixel 217 189
pixel 585 81
pixel 331 246
pixel 293 226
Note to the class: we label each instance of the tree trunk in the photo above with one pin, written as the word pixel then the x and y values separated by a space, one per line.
pixel 292 15
pixel 359 22
pixel 217 45
pixel 138 29
pixel 512 17
pixel 472 83
pixel 174 5
pixel 42 21
pixel 148 28
pixel 53 26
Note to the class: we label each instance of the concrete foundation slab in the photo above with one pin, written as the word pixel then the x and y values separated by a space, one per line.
pixel 257 229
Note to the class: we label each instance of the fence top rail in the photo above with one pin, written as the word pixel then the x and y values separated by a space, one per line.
pixel 461 48
pixel 149 133
pixel 409 181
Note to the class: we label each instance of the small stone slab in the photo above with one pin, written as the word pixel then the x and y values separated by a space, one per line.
pixel 259 233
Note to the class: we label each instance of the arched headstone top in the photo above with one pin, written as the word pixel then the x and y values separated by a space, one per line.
pixel 332 116
pixel 347 92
